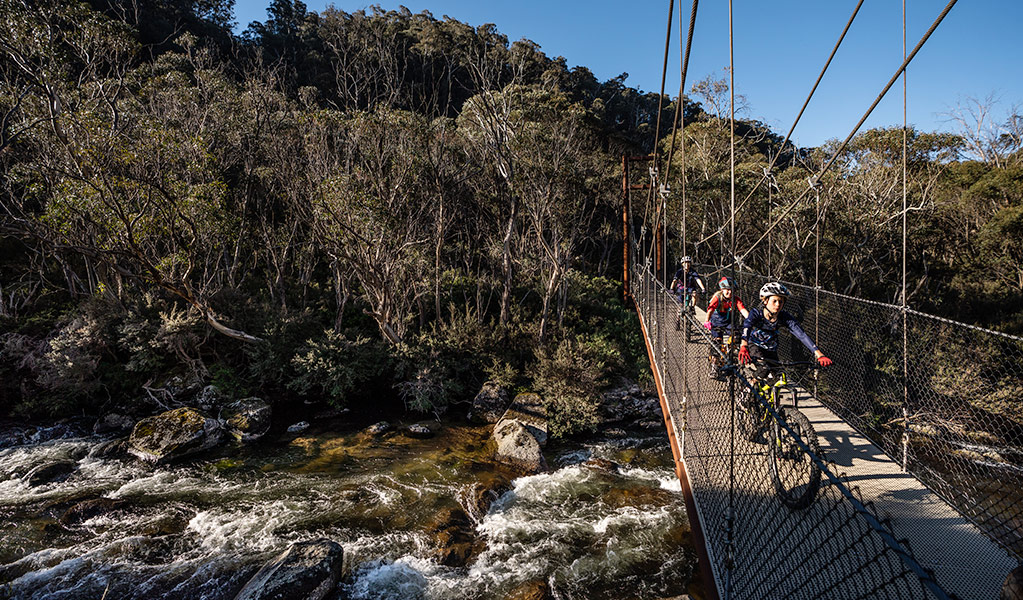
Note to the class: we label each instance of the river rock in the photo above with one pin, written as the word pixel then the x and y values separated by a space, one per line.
pixel 418 430
pixel 247 419
pixel 208 398
pixel 174 434
pixel 50 472
pixel 628 402
pixel 518 447
pixel 455 536
pixel 477 497
pixel 183 389
pixel 535 589
pixel 113 422
pixel 489 404
pixel 305 571
pixel 298 427
pixel 378 428
pixel 615 432
pixel 529 410
pixel 87 509
pixel 109 449
pixel 602 464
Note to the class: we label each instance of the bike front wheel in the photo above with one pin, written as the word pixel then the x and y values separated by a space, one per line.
pixel 796 477
pixel 749 415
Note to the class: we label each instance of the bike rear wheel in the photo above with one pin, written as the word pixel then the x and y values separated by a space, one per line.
pixel 796 478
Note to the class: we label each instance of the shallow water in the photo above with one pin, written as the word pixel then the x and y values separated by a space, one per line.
pixel 202 528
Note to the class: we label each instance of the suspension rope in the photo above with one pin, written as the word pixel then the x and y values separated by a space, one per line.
pixel 905 300
pixel 679 117
pixel 806 103
pixel 845 143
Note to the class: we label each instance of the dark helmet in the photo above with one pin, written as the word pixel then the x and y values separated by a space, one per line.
pixel 726 283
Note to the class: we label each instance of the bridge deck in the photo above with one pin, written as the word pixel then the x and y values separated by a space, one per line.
pixel 965 562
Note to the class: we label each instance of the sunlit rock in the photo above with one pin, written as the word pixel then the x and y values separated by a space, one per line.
pixel 174 434
pixel 379 428
pixel 518 447
pixel 247 419
pixel 305 571
pixel 418 430
pixel 529 410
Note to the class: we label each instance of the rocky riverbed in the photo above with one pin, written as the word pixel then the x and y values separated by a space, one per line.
pixel 417 516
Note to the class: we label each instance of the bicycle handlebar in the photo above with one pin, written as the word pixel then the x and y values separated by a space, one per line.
pixel 794 363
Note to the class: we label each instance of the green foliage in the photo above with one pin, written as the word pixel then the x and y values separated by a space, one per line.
pixel 336 365
pixel 569 377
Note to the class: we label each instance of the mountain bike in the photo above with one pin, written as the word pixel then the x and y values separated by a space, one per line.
pixel 686 307
pixel 722 350
pixel 795 476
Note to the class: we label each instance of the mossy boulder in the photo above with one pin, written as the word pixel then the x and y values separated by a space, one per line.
pixel 173 434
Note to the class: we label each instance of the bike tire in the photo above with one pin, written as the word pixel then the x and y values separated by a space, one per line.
pixel 796 478
pixel 749 413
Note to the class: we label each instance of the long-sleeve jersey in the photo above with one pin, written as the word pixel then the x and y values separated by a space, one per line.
pixel 689 279
pixel 719 306
pixel 757 330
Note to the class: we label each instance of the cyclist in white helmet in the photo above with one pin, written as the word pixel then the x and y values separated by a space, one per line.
pixel 686 279
pixel 760 330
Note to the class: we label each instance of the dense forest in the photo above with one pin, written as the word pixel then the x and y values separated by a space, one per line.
pixel 382 207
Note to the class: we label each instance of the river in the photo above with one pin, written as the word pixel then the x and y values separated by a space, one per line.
pixel 201 529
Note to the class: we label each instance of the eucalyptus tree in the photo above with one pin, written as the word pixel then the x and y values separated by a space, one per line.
pixel 372 205
pixel 562 182
pixel 126 184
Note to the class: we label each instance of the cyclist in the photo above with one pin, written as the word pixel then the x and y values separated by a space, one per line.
pixel 686 279
pixel 760 330
pixel 719 317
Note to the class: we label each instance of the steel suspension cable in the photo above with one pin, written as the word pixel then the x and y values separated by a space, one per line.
pixel 681 86
pixel 730 520
pixel 657 131
pixel 806 103
pixel 905 301
pixel 845 143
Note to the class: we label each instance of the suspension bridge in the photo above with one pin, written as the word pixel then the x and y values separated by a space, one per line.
pixel 920 463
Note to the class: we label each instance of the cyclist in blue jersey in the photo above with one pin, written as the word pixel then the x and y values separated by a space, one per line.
pixel 686 279
pixel 760 330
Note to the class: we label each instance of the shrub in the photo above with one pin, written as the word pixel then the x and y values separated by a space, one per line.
pixel 570 378
pixel 337 365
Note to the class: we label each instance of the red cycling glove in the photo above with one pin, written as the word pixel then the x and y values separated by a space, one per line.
pixel 744 357
pixel 824 361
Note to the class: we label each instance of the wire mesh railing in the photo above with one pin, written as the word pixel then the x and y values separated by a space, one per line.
pixel 840 545
pixel 948 405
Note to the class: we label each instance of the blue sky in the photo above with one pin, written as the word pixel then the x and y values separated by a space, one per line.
pixel 780 47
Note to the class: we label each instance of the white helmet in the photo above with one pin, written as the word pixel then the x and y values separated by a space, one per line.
pixel 774 288
pixel 686 259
